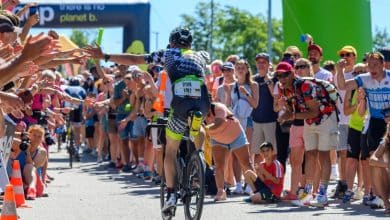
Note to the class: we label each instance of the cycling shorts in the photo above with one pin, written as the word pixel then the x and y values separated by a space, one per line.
pixel 180 107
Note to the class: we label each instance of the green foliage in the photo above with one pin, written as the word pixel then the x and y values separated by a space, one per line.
pixel 82 39
pixel 381 38
pixel 235 31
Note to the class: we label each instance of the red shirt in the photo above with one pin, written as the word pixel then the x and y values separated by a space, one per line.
pixel 277 171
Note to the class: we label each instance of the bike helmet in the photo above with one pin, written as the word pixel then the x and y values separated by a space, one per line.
pixel 181 36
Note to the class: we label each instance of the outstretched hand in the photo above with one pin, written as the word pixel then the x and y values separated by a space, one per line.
pixel 94 52
pixel 37 46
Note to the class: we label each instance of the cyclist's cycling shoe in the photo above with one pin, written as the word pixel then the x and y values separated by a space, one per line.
pixel 170 203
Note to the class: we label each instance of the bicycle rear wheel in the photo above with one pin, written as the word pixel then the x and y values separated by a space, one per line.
pixel 193 203
pixel 71 149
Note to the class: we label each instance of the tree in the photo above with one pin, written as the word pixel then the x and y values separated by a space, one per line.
pixel 235 32
pixel 81 39
pixel 381 38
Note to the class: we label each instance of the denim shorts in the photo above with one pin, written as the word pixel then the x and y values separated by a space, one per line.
pixel 139 127
pixel 127 132
pixel 239 142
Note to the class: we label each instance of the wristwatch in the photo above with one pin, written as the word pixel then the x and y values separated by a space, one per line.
pixel 107 57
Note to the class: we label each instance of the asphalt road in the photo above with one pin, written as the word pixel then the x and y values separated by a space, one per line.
pixel 91 191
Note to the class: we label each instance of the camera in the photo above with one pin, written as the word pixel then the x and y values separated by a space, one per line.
pixel 48 138
pixel 42 120
pixel 25 142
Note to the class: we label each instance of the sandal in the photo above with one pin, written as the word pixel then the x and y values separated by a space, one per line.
pixel 31 194
pixel 220 196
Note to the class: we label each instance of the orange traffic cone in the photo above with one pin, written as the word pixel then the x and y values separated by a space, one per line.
pixel 17 182
pixel 8 211
pixel 40 187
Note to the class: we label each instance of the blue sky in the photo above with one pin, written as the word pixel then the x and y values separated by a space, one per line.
pixel 164 17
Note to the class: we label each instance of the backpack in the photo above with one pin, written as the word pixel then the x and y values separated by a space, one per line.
pixel 332 95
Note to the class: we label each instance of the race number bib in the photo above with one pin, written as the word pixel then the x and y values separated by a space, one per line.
pixel 188 87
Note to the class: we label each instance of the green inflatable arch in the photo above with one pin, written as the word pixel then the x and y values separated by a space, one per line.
pixel 332 23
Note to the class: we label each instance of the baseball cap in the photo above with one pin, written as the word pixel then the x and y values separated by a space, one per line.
pixel 347 49
pixel 227 65
pixel 283 67
pixel 315 47
pixel 385 51
pixel 262 55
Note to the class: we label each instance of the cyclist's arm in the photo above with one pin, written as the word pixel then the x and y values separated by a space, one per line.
pixel 126 59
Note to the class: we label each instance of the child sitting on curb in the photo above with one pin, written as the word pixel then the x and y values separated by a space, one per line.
pixel 270 172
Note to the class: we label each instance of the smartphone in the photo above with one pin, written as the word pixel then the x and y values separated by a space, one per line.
pixel 33 10
pixel 8 86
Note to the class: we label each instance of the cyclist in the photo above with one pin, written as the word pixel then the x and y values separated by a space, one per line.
pixel 75 116
pixel 186 69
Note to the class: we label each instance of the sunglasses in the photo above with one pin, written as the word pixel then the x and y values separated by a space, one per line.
pixel 297 67
pixel 345 55
pixel 282 75
pixel 265 150
pixel 357 72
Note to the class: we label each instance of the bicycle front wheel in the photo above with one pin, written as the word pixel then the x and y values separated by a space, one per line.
pixel 193 202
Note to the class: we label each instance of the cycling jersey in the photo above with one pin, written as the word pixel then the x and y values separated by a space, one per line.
pixel 186 70
pixel 378 93
pixel 79 93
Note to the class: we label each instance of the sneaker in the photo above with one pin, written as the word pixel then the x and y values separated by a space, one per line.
pixel 348 196
pixel 367 199
pixel 303 201
pixel 31 194
pixel 238 190
pixel 358 194
pixel 320 201
pixel 87 150
pixel 148 176
pixel 126 168
pixel 340 190
pixel 139 169
pixel 94 152
pixel 157 180
pixel 170 203
pixel 289 197
pixel 377 203
pixel 247 190
pixel 111 165
pixel 99 160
